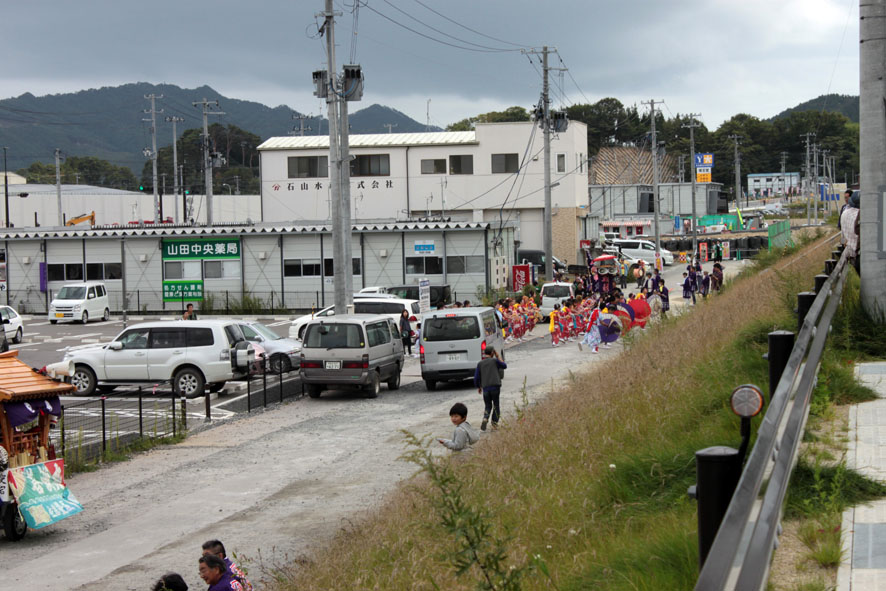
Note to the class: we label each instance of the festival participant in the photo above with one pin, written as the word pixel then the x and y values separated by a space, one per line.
pixel 705 285
pixel 688 292
pixel 554 327
pixel 717 277
pixel 216 548
pixel 665 297
pixel 215 573
pixel 592 336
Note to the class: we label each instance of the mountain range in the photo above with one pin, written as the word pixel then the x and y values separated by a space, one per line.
pixel 109 123
pixel 846 104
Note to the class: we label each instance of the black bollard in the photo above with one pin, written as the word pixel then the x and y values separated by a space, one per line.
pixel 804 302
pixel 829 266
pixel 820 281
pixel 718 470
pixel 781 343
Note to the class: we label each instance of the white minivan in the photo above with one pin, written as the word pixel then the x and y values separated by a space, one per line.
pixel 553 293
pixel 453 341
pixel 643 250
pixel 80 302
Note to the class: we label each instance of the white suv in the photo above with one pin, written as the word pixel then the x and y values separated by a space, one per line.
pixel 80 301
pixel 386 304
pixel 191 354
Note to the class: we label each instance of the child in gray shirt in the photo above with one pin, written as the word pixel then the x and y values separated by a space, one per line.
pixel 464 434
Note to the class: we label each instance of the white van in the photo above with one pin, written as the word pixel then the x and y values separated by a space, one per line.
pixel 453 341
pixel 554 293
pixel 643 250
pixel 80 301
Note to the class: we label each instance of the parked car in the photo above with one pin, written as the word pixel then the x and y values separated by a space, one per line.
pixel 439 293
pixel 453 341
pixel 374 289
pixel 80 301
pixel 191 354
pixel 774 209
pixel 283 352
pixel 537 257
pixel 15 330
pixel 385 304
pixel 643 249
pixel 351 351
pixel 554 293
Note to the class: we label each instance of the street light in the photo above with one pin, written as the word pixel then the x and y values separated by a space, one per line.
pixel 6 185
pixel 228 186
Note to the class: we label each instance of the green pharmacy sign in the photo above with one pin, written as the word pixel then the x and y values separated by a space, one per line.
pixel 201 248
pixel 183 291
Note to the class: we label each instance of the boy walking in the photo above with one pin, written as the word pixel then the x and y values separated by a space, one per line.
pixel 488 382
pixel 464 434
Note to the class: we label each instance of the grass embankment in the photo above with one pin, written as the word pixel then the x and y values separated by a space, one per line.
pixel 593 480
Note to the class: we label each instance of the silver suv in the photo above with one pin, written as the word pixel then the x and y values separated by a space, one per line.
pixel 351 351
pixel 191 354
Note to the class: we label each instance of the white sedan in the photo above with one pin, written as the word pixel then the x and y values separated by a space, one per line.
pixel 15 330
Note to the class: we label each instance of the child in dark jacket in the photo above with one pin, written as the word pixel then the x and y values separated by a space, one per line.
pixel 488 382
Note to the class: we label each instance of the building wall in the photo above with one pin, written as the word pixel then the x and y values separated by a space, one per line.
pixel 23 260
pixel 566 234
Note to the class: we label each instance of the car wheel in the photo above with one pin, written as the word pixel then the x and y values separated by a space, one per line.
pixel 373 387
pixel 188 382
pixel 85 318
pixel 19 336
pixel 14 525
pixel 431 385
pixel 106 316
pixel 301 332
pixel 280 364
pixel 83 380
pixel 53 321
pixel 394 382
pixel 314 390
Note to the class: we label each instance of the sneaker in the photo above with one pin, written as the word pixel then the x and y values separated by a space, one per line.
pixel 596 350
pixel 494 426
pixel 483 424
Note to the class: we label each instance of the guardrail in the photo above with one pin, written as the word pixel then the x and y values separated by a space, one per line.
pixel 740 554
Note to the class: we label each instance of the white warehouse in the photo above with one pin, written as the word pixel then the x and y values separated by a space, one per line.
pixel 494 174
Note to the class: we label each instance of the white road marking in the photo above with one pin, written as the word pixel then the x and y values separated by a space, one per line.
pixel 281 323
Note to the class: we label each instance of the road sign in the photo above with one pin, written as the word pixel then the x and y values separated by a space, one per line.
pixel 424 296
pixel 703 177
pixel 704 160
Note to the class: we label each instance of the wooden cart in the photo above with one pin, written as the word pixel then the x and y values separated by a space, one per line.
pixel 24 394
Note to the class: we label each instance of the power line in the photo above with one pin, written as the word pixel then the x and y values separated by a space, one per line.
pixel 469 28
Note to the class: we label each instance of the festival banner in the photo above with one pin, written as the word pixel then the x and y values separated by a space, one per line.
pixel 42 496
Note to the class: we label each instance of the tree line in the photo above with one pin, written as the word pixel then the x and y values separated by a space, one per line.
pixel 610 123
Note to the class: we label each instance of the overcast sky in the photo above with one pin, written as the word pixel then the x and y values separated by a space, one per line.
pixel 716 57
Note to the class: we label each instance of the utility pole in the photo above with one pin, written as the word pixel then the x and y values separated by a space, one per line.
pixel 153 112
pixel 806 180
pixel 655 173
pixel 301 129
pixel 207 157
pixel 58 186
pixel 737 163
pixel 181 177
pixel 784 156
pixel 692 125
pixel 680 158
pixel 390 126
pixel 816 190
pixel 872 148
pixel 428 116
pixel 175 184
pixel 6 185
pixel 443 184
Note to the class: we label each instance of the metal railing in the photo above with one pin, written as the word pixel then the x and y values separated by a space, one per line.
pixel 741 553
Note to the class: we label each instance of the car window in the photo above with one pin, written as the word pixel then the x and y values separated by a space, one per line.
pixel 377 333
pixel 369 308
pixel 91 293
pixel 199 337
pixel 555 291
pixel 136 338
pixel 393 308
pixel 334 336
pixel 250 334
pixel 416 308
pixel 648 247
pixel 167 338
pixel 451 328
pixel 4 313
pixel 12 313
pixel 264 331
pixel 488 319
pixel 395 332
pixel 101 291
pixel 71 293
pixel 324 312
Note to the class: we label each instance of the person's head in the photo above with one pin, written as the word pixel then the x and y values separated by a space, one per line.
pixel 215 547
pixel 441 306
pixel 556 306
pixel 467 303
pixel 648 274
pixel 190 307
pixel 458 414
pixel 662 282
pixel 685 274
pixel 705 273
pixel 457 304
pixel 855 200
pixel 405 313
pixel 847 195
pixel 211 568
pixel 489 351
pixel 170 582
pixel 644 291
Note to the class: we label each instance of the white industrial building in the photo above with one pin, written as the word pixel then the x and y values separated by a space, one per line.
pixel 494 174
pixel 285 267
pixel 765 184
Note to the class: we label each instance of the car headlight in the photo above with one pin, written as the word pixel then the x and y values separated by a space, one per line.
pixel 76 306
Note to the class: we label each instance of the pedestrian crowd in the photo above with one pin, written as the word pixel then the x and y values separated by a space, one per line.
pixel 214 567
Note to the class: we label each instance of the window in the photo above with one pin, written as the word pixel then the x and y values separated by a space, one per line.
pixel 488 319
pixel 95 271
pixel 310 268
pixel 137 338
pixel 461 164
pixel 221 269
pixel 433 265
pixel 424 265
pixel 465 264
pixel 457 328
pixel 90 293
pixel 561 162
pixel 392 308
pixel 505 163
pixel 361 307
pixel 333 336
pixel 377 333
pixel 70 292
pixel 329 267
pixel 182 270
pixel 455 265
pixel 74 272
pixel 113 271
pixel 199 337
pixel 167 338
pixel 55 272
pixel 250 334
pixel 292 268
pixel 371 165
pixel 436 166
pixel 308 167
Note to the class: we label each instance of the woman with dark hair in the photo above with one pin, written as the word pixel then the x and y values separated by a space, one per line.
pixel 406 331
pixel 170 582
